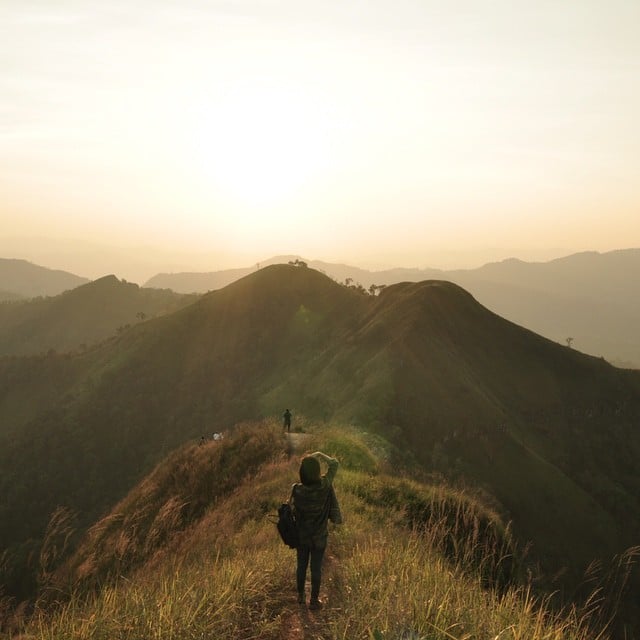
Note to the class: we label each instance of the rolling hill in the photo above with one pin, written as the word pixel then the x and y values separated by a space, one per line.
pixel 81 317
pixel 22 279
pixel 591 297
pixel 551 433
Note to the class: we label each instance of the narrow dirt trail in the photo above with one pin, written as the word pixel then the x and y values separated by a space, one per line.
pixel 298 442
pixel 298 622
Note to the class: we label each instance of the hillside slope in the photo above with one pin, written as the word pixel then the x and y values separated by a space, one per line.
pixel 26 280
pixel 81 317
pixel 551 433
pixel 591 297
pixel 191 553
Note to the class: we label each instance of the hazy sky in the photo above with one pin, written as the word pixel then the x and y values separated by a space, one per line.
pixel 377 131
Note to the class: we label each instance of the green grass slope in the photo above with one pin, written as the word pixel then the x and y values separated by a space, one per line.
pixel 81 317
pixel 551 433
pixel 191 553
pixel 536 423
pixel 593 298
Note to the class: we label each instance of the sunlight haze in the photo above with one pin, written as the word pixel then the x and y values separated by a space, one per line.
pixel 380 132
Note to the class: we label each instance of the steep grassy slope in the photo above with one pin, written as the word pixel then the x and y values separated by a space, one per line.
pixel 551 433
pixel 174 496
pixel 159 384
pixel 479 396
pixel 81 317
pixel 28 280
pixel 593 298
pixel 190 553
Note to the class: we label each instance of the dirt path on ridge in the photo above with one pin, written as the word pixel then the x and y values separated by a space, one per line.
pixel 298 622
pixel 298 442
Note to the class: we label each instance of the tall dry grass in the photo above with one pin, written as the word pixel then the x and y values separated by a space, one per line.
pixel 229 576
pixel 173 497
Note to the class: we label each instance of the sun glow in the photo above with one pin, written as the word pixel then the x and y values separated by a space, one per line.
pixel 259 147
pixel 292 127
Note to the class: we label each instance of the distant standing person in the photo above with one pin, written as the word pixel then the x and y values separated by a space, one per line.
pixel 286 419
pixel 314 502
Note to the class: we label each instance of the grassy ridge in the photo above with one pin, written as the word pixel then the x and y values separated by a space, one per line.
pixel 81 317
pixel 175 495
pixel 227 575
pixel 548 432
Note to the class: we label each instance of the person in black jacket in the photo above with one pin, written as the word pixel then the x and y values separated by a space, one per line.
pixel 286 420
pixel 314 502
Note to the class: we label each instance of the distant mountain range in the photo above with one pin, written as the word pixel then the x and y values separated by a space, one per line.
pixel 589 300
pixel 550 433
pixel 22 279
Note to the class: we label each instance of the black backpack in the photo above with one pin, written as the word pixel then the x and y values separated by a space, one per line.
pixel 287 527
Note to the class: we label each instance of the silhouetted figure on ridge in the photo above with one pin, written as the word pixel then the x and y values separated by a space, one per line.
pixel 286 419
pixel 314 504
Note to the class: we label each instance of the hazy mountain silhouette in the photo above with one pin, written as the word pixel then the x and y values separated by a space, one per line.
pixel 550 432
pixel 209 281
pixel 82 316
pixel 591 297
pixel 22 279
pixel 10 296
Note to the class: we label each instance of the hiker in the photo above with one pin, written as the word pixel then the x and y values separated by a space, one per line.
pixel 314 503
pixel 286 419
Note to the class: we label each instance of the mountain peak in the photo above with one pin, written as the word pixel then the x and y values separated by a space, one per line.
pixel 111 281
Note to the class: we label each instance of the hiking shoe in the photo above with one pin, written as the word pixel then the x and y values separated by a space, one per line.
pixel 315 605
pixel 301 598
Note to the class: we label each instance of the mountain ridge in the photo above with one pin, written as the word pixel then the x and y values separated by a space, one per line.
pixel 589 299
pixel 592 298
pixel 472 396
pixel 189 551
pixel 80 317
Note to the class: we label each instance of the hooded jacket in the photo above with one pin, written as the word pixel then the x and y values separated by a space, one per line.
pixel 314 505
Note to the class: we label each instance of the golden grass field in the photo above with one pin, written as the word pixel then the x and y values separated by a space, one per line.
pixel 225 573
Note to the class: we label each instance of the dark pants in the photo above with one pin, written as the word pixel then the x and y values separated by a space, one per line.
pixel 316 554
